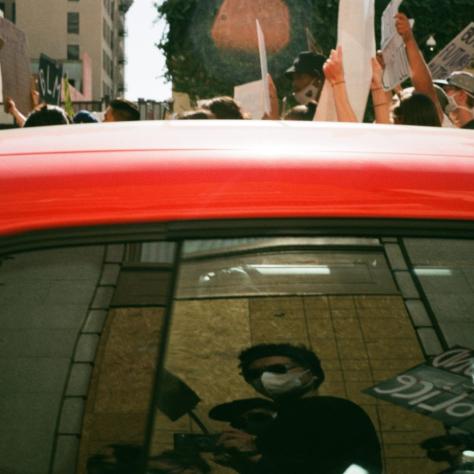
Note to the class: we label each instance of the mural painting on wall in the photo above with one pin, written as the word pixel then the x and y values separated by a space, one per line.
pixel 225 36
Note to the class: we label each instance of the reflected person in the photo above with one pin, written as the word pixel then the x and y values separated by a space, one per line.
pixel 311 433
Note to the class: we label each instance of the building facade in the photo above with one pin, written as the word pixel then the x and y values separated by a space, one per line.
pixel 69 30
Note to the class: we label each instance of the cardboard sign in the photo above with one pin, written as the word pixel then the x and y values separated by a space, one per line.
pixel 50 76
pixel 442 388
pixel 264 68
pixel 356 35
pixel 15 66
pixel 455 56
pixel 249 96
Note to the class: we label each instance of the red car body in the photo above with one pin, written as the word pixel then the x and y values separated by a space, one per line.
pixel 58 177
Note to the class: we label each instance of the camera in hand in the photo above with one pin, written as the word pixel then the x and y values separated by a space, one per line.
pixel 191 442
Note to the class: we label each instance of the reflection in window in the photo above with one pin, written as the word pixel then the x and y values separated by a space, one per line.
pixel 243 312
pixel 80 334
pixel 277 269
pixel 445 269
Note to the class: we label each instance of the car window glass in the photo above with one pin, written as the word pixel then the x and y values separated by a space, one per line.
pixel 83 327
pixel 80 332
pixel 356 303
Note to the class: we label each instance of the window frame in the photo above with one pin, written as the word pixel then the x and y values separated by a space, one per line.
pixel 73 57
pixel 179 231
pixel 73 23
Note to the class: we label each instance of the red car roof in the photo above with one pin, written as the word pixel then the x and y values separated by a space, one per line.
pixel 83 175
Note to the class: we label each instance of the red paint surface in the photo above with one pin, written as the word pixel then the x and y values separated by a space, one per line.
pixel 235 28
pixel 124 173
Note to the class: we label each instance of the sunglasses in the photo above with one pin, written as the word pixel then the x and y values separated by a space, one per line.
pixel 253 374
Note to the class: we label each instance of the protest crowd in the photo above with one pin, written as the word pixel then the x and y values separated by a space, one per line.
pixel 447 103
pixel 322 89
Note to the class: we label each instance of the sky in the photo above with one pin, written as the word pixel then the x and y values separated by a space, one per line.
pixel 145 64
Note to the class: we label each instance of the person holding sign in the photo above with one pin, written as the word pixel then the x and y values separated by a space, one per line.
pixel 334 73
pixel 419 72
pixel 12 109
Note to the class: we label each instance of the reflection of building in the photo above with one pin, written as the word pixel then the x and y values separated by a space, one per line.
pixel 66 30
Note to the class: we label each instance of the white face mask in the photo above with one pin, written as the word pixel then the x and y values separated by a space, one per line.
pixel 283 384
pixel 453 105
pixel 305 95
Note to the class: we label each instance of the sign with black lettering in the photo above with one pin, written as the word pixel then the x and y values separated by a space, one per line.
pixel 455 56
pixel 50 75
pixel 442 388
pixel 393 49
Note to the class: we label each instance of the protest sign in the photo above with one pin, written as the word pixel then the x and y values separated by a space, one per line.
pixel 442 388
pixel 50 76
pixel 397 68
pixel 311 42
pixel 15 66
pixel 357 38
pixel 68 107
pixel 264 68
pixel 388 22
pixel 249 96
pixel 455 56
pixel 394 55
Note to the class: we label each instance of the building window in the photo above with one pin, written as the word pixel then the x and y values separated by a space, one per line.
pixel 73 22
pixel 9 10
pixel 73 51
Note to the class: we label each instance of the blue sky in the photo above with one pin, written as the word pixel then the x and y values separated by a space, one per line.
pixel 145 64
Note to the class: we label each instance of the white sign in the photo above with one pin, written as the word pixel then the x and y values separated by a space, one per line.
pixel 388 22
pixel 311 43
pixel 397 68
pixel 455 56
pixel 250 98
pixel 394 55
pixel 356 35
pixel 264 68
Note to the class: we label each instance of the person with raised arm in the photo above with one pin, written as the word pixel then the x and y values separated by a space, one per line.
pixel 334 72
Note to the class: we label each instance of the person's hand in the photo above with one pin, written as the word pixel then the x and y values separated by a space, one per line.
pixel 274 105
pixel 333 68
pixel 237 441
pixel 377 74
pixel 403 27
pixel 11 106
pixel 35 98
pixel 380 59
pixel 236 449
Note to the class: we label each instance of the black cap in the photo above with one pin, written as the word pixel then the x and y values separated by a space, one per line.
pixel 231 410
pixel 307 62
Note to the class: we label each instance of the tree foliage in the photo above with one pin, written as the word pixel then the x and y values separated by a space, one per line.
pixel 196 66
